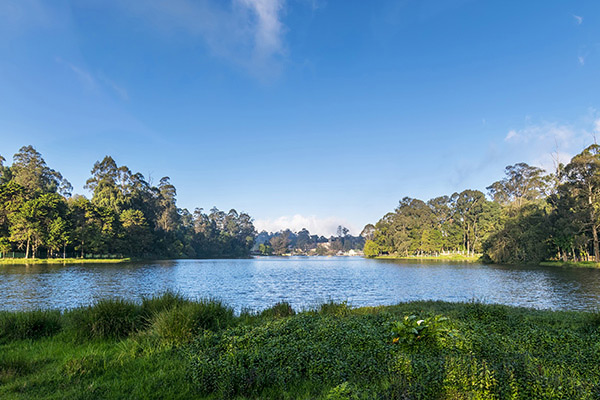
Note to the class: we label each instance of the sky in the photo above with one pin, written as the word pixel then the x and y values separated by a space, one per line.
pixel 303 113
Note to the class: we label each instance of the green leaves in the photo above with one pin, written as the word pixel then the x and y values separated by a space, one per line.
pixel 430 330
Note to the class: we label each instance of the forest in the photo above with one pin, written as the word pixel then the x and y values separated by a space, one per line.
pixel 529 216
pixel 303 243
pixel 126 216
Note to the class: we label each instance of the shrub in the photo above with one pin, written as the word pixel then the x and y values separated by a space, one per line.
pixel 28 324
pixel 110 318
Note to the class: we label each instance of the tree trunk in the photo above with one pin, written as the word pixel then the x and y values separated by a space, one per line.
pixel 27 249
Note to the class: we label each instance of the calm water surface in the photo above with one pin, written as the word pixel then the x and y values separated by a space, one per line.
pixel 303 281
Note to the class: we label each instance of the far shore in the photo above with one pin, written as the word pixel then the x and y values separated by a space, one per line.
pixel 443 257
pixel 578 264
pixel 29 261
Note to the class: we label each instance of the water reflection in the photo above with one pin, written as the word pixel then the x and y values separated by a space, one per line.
pixel 303 281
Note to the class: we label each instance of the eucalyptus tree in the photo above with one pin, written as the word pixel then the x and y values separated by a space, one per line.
pixel 31 224
pixel 168 216
pixel 581 180
pixel 522 183
pixel 476 216
pixel 30 171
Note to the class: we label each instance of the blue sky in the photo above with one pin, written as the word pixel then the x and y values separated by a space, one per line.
pixel 301 113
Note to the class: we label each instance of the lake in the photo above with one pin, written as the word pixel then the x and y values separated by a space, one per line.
pixel 303 281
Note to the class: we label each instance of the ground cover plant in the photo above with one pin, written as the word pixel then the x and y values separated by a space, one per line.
pixel 169 346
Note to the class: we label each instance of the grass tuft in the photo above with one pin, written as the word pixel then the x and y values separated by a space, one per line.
pixel 178 325
pixel 279 310
pixel 28 324
pixel 109 318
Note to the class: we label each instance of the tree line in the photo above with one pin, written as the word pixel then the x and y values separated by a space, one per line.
pixel 528 216
pixel 303 243
pixel 126 215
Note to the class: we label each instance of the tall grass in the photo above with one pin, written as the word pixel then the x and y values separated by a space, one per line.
pixel 28 324
pixel 108 318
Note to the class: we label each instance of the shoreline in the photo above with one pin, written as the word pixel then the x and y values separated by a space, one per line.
pixel 41 261
pixel 452 257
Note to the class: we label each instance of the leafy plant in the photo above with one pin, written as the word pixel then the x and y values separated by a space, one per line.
pixel 430 330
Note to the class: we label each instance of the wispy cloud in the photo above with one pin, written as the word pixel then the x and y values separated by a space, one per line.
pixel 119 90
pixel 541 143
pixel 249 33
pixel 578 19
pixel 84 76
pixel 581 60
pixel 320 226
pixel 91 81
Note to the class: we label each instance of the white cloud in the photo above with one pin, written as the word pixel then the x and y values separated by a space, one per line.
pixel 510 135
pixel 319 226
pixel 542 143
pixel 248 32
pixel 581 60
pixel 578 19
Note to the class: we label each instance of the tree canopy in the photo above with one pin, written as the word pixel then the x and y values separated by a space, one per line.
pixel 126 215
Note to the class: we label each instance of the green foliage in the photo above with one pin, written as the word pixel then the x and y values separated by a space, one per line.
pixel 279 310
pixel 523 237
pixel 371 249
pixel 317 349
pixel 333 308
pixel 179 324
pixel 430 330
pixel 126 216
pixel 108 318
pixel 28 324
pixel 155 304
pixel 501 353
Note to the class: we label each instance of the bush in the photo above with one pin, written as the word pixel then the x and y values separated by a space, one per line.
pixel 110 318
pixel 28 324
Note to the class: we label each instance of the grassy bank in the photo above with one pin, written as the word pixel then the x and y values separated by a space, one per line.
pixel 442 257
pixel 170 347
pixel 29 261
pixel 579 264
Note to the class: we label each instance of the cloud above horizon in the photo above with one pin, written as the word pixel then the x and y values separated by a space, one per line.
pixel 316 226
pixel 545 144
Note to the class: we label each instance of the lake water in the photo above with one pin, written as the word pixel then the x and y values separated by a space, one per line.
pixel 303 281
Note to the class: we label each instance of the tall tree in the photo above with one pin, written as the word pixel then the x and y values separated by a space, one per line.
pixel 522 183
pixel 582 180
pixel 30 171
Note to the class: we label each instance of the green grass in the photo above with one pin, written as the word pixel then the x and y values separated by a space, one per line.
pixel 173 347
pixel 29 261
pixel 578 264
pixel 441 257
